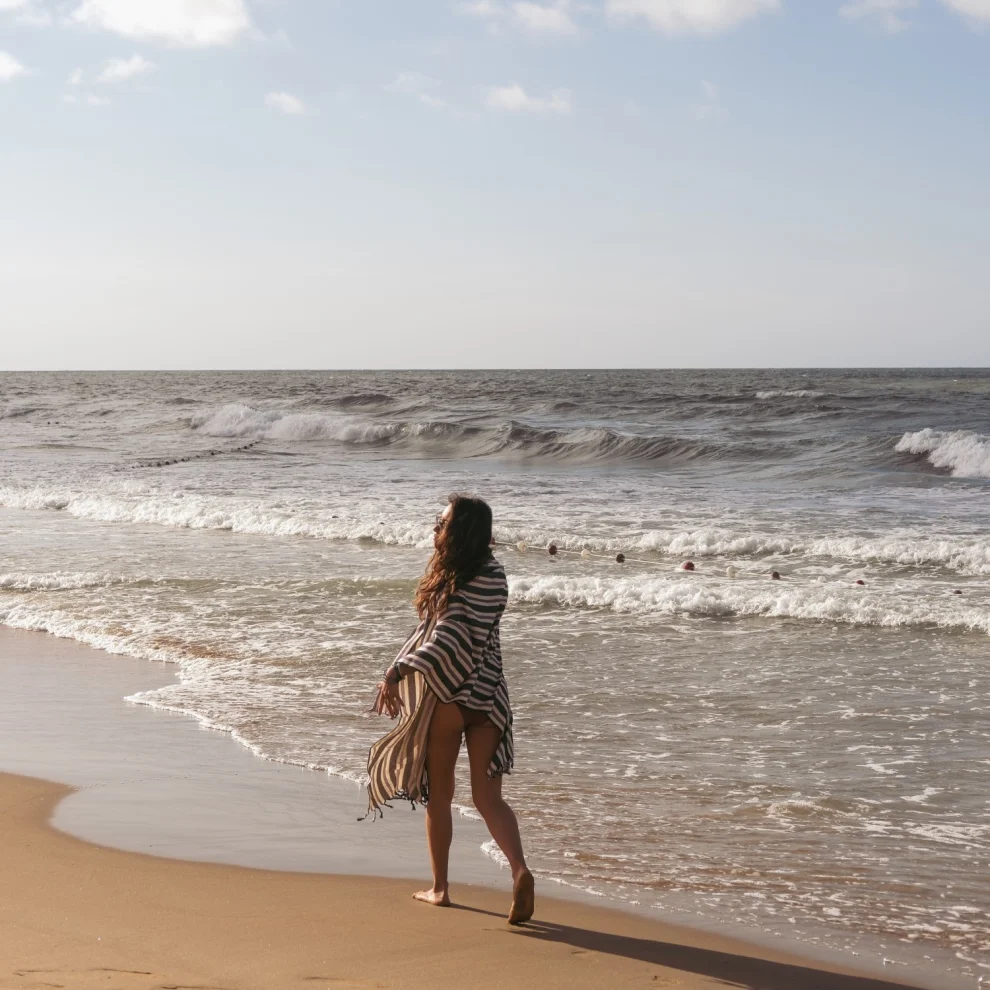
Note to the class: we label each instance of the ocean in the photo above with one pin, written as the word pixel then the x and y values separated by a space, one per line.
pixel 806 757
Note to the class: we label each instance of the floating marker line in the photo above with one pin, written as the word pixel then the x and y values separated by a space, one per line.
pixel 553 550
pixel 688 566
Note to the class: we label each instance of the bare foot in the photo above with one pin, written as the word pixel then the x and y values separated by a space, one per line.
pixel 438 898
pixel 523 899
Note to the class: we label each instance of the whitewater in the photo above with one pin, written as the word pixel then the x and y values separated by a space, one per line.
pixel 806 757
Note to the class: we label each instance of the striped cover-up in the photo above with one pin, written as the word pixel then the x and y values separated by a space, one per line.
pixel 455 658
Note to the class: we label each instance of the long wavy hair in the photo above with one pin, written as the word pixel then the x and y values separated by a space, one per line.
pixel 462 547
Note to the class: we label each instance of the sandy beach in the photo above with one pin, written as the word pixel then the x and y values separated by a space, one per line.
pixel 74 914
pixel 77 913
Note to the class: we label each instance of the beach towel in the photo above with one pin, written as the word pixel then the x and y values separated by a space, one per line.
pixel 397 762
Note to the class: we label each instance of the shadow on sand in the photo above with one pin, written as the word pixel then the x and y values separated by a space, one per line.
pixel 726 967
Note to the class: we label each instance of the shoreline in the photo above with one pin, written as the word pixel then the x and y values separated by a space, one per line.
pixel 153 781
pixel 82 913
pixel 212 809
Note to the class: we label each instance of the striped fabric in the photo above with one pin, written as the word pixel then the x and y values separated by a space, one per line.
pixel 456 658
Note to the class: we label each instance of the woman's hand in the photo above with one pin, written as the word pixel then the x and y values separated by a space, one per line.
pixel 388 701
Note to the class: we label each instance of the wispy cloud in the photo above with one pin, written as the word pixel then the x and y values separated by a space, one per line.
pixel 118 70
pixel 494 13
pixel 553 19
pixel 689 16
pixel 514 99
pixel 422 87
pixel 547 19
pixel 86 99
pixel 888 14
pixel 113 72
pixel 482 8
pixel 710 106
pixel 182 23
pixel 26 12
pixel 10 68
pixel 977 12
pixel 285 103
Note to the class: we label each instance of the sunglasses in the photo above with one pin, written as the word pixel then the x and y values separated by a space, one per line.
pixel 441 523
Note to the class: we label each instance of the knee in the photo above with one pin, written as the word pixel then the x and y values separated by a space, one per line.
pixel 485 800
pixel 441 793
pixel 440 797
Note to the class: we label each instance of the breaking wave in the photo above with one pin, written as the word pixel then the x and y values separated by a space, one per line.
pixel 57 581
pixel 963 453
pixel 465 440
pixel 826 601
pixel 907 549
pixel 17 412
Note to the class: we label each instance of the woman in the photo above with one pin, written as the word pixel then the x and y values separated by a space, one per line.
pixel 447 682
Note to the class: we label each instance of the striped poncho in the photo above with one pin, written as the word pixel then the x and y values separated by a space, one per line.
pixel 456 657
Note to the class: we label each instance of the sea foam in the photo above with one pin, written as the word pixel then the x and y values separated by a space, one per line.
pixel 789 393
pixel 964 453
pixel 132 503
pixel 836 601
pixel 237 420
pixel 58 581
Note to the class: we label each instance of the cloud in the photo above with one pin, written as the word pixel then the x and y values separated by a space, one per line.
pixel 482 8
pixel 413 83
pixel 514 99
pixel 977 12
pixel 710 106
pixel 537 19
pixel 118 70
pixel 420 86
pixel 89 99
pixel 493 12
pixel 26 12
pixel 285 103
pixel 75 78
pixel 10 68
pixel 183 23
pixel 689 16
pixel 886 13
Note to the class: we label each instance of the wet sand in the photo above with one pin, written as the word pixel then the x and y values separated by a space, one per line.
pixel 74 914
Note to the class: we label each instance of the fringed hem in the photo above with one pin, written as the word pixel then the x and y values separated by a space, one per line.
pixel 376 812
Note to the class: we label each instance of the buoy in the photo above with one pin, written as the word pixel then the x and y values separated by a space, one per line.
pixel 775 575
pixel 620 558
pixel 521 546
pixel 731 572
pixel 552 549
pixel 687 566
pixel 861 581
pixel 585 553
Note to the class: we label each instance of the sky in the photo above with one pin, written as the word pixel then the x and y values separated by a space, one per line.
pixel 494 183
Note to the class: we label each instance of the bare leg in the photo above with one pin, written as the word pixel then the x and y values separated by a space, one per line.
pixel 482 741
pixel 442 747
